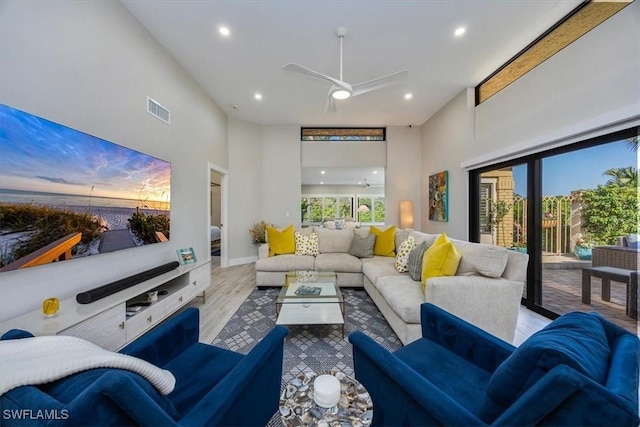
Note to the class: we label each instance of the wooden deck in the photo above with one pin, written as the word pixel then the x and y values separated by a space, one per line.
pixel 562 292
pixel 114 240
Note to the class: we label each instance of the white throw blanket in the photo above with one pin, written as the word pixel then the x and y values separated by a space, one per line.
pixel 39 360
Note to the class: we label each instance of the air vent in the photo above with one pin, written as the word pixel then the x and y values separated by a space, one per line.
pixel 158 111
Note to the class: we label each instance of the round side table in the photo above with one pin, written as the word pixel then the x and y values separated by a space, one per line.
pixel 297 406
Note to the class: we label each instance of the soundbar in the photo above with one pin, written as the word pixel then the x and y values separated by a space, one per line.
pixel 119 285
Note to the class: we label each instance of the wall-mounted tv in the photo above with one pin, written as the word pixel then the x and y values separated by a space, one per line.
pixel 66 194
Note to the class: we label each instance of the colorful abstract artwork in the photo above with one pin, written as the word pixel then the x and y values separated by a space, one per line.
pixel 438 193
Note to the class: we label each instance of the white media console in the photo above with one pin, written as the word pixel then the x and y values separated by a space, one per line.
pixel 105 322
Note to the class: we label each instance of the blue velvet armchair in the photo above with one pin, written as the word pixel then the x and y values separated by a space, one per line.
pixel 580 370
pixel 214 386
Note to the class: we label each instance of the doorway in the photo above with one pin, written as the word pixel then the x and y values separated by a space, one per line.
pixel 218 216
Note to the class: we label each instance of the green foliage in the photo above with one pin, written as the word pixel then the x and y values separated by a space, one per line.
pixel 624 177
pixel 609 211
pixel 144 226
pixel 304 205
pixel 45 225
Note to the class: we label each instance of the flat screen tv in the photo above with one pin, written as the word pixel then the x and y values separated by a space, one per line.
pixel 66 194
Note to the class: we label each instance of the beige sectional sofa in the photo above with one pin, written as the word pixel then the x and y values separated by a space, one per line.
pixel 486 290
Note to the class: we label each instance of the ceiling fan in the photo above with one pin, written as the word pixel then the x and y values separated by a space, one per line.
pixel 341 89
pixel 366 184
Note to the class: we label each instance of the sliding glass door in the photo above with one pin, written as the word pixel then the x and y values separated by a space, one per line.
pixel 556 206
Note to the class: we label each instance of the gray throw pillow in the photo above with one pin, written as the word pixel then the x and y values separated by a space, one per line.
pixel 362 247
pixel 414 264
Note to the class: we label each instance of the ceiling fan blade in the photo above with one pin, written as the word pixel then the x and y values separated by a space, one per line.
pixel 330 106
pixel 379 83
pixel 304 70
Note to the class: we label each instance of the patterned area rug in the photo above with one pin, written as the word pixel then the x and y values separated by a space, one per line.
pixel 318 347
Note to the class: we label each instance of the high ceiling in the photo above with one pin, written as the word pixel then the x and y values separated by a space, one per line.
pixel 382 37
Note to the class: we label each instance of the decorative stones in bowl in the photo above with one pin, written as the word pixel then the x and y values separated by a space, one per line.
pixel 297 405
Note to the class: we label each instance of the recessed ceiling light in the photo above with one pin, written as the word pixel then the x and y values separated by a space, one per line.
pixel 321 182
pixel 323 172
pixel 375 172
pixel 459 31
pixel 258 96
pixel 224 31
pixel 408 96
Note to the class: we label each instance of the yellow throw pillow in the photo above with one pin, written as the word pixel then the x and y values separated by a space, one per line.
pixel 281 241
pixel 440 260
pixel 385 241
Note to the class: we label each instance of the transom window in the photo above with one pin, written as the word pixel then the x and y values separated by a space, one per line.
pixel 343 134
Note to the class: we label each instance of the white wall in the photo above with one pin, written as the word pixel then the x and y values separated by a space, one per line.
pixel 403 179
pixel 90 66
pixel 589 87
pixel 342 155
pixel 281 175
pixel 593 82
pixel 446 140
pixel 245 188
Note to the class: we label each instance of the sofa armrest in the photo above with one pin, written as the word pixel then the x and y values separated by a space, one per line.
pixel 249 394
pixel 564 387
pixel 164 342
pixel 489 303
pixel 126 394
pixel 462 338
pixel 399 393
pixel 263 251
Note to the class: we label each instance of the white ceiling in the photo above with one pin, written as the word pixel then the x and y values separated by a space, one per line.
pixel 382 37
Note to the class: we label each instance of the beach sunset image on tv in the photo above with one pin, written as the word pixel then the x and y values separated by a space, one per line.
pixel 66 194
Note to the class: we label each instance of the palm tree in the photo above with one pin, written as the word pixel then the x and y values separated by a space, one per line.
pixel 622 177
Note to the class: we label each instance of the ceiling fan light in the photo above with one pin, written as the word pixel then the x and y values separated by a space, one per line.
pixel 340 94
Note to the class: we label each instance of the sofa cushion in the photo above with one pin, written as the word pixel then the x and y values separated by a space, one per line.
pixel 307 244
pixel 285 263
pixel 402 258
pixel 281 241
pixel 577 340
pixel 401 236
pixel 441 259
pixel 423 237
pixel 362 247
pixel 343 263
pixel 486 260
pixel 379 266
pixel 332 241
pixel 385 241
pixel 414 262
pixel 403 295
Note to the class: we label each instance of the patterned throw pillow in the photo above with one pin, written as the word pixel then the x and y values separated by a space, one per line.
pixel 307 245
pixel 402 259
pixel 340 224
pixel 414 264
pixel 362 247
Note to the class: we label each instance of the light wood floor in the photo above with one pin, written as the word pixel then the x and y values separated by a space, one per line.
pixel 232 285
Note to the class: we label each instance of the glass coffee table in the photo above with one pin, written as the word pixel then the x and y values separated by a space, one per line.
pixel 310 298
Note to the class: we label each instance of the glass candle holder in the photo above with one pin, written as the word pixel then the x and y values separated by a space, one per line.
pixel 50 307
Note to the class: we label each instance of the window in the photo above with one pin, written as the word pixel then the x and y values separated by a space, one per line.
pixel 317 208
pixel 556 206
pixel 343 134
pixel 367 209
